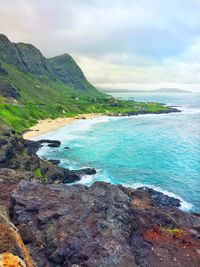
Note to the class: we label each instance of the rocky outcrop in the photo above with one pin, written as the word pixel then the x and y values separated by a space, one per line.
pixel 104 225
pixel 159 198
pixel 3 72
pixel 19 154
pixel 14 152
pixel 8 90
pixel 66 148
pixel 50 143
pixel 86 171
pixel 13 252
pixel 164 111
pixel 54 161
pixel 7 259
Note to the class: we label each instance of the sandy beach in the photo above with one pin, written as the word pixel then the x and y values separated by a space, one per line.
pixel 47 125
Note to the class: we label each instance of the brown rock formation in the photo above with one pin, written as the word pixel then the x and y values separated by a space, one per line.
pixel 13 252
pixel 105 226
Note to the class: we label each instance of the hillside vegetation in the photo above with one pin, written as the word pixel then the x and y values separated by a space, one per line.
pixel 33 87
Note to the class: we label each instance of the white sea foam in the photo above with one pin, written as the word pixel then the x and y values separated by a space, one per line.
pixel 185 206
pixel 189 110
pixel 86 179
pixel 71 132
pixel 75 130
pixel 99 176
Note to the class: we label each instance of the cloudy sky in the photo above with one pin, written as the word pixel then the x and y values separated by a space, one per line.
pixel 131 44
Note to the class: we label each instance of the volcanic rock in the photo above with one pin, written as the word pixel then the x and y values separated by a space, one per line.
pixel 51 143
pixel 86 171
pixel 54 161
pixel 104 225
pixel 66 147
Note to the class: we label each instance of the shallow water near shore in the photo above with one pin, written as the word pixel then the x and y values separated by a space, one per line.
pixel 159 151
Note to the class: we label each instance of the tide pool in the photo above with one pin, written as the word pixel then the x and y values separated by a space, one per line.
pixel 159 151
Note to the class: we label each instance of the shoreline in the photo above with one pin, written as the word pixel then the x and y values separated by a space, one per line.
pixel 48 125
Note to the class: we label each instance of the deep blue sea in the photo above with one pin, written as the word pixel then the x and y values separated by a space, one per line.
pixel 159 151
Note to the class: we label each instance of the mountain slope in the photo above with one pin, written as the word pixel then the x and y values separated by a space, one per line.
pixel 28 59
pixel 65 70
pixel 24 99
pixel 33 88
pixel 25 57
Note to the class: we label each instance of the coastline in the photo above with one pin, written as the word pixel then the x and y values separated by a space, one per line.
pixel 48 125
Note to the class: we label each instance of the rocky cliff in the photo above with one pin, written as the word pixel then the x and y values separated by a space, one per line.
pixel 29 59
pixel 67 71
pixel 25 57
pixel 99 226
pixel 13 252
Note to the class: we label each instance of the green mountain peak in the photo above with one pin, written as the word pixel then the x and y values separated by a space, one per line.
pixel 28 59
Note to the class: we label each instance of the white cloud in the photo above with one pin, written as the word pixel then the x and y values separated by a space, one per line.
pixel 119 43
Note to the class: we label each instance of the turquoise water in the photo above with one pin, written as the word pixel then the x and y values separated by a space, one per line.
pixel 160 151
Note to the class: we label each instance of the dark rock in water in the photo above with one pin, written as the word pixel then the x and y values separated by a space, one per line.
pixel 70 176
pixel 54 161
pixel 67 176
pixel 33 146
pixel 58 174
pixel 62 175
pixel 86 171
pixel 66 148
pixel 51 143
pixel 159 199
pixel 56 144
pixel 104 225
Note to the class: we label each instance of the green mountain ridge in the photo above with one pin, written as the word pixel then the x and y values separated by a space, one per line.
pixel 29 59
pixel 65 69
pixel 33 87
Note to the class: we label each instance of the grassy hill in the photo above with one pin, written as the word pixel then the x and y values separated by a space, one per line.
pixel 33 87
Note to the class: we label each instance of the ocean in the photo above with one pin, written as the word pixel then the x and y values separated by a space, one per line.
pixel 159 151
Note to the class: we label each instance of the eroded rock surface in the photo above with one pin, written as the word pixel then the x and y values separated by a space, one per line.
pixel 20 156
pixel 104 226
pixel 13 252
pixel 8 90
